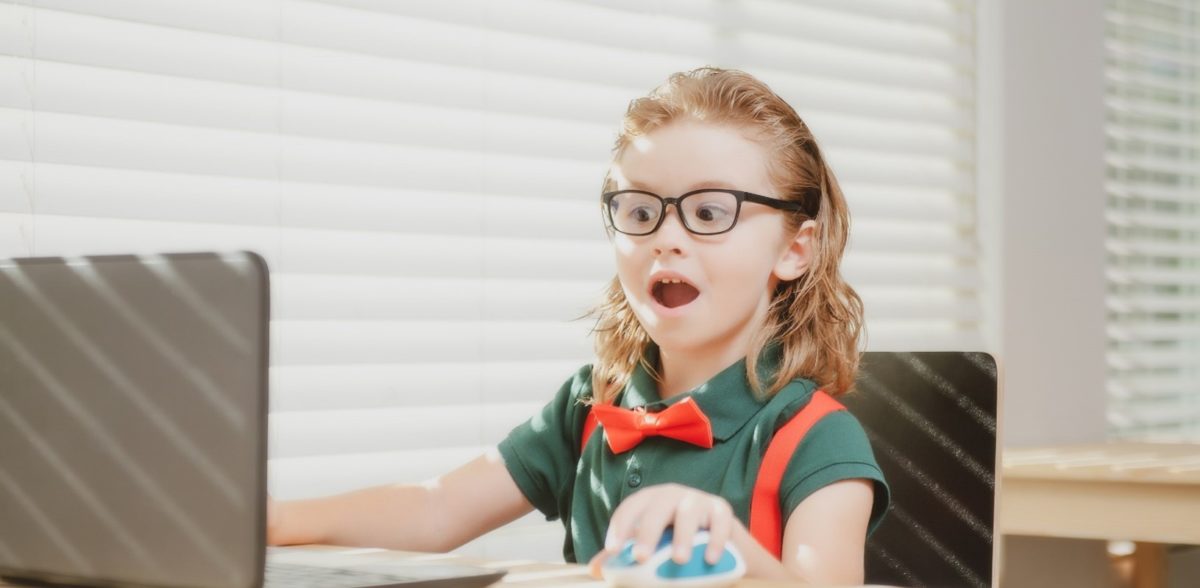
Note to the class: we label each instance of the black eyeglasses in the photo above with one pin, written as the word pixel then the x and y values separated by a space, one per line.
pixel 707 211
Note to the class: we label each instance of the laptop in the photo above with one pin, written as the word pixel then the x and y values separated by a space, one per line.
pixel 133 430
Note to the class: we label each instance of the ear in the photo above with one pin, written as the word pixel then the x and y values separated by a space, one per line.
pixel 797 256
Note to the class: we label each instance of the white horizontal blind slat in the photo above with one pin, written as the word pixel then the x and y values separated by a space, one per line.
pixel 317 387
pixel 422 178
pixel 1153 129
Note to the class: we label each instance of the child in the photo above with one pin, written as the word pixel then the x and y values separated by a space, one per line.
pixel 729 311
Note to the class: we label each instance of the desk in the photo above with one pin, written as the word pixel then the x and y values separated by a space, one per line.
pixel 521 573
pixel 1143 492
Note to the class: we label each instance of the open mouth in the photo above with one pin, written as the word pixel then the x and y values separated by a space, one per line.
pixel 673 293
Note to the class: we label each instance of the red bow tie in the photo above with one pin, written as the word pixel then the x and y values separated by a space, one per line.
pixel 625 428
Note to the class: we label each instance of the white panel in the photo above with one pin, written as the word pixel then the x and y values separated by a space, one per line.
pixel 356 119
pixel 344 162
pixel 396 36
pixel 123 44
pixel 436 211
pixel 1139 190
pixel 123 94
pixel 892 136
pixel 363 386
pixel 869 269
pixel 1154 303
pixel 77 190
pixel 61 235
pixel 863 99
pixel 681 22
pixel 16 186
pixel 842 61
pixel 16 81
pixel 333 432
pixel 16 134
pixel 438 256
pixel 82 140
pixel 884 304
pixel 1146 276
pixel 306 477
pixel 1155 333
pixel 870 235
pixel 906 335
pixel 17 28
pixel 241 18
pixel 353 342
pixel 332 72
pixel 386 298
pixel 898 168
pixel 868 200
pixel 1150 385
pixel 1161 358
pixel 1154 220
pixel 107 193
pixel 16 235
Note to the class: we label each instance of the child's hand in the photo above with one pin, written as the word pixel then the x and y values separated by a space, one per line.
pixel 644 515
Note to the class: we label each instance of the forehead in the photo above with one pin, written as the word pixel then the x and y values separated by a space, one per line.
pixel 685 155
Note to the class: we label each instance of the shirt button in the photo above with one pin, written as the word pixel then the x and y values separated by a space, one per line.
pixel 635 480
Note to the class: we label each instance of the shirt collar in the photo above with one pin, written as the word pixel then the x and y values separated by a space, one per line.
pixel 726 398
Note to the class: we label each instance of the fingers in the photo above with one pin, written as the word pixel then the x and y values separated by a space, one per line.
pixel 597 562
pixel 646 514
pixel 659 513
pixel 689 516
pixel 622 522
pixel 720 527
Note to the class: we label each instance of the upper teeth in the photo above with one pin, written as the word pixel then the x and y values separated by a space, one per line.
pixel 670 281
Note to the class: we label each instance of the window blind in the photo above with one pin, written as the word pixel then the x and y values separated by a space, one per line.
pixel 1153 128
pixel 423 178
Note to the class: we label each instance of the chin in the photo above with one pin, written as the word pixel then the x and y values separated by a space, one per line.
pixel 677 341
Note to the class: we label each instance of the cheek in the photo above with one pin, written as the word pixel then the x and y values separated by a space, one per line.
pixel 744 278
pixel 627 265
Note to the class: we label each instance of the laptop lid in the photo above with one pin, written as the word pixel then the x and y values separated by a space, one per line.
pixel 133 419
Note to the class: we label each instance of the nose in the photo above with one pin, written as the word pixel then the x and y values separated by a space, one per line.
pixel 671 235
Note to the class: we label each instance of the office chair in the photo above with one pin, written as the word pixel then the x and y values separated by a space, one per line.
pixel 931 420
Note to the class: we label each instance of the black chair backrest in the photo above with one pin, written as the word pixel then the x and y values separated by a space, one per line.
pixel 931 419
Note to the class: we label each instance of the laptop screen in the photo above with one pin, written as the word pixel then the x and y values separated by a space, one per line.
pixel 133 419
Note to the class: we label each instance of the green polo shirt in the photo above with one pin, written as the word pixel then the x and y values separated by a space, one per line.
pixel 544 459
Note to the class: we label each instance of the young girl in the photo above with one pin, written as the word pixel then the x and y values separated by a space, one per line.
pixel 729 311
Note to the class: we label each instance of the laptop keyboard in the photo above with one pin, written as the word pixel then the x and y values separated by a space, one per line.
pixel 289 575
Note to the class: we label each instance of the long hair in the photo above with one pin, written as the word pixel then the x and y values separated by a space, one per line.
pixel 817 318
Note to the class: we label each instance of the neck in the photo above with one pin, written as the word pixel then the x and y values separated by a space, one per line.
pixel 684 369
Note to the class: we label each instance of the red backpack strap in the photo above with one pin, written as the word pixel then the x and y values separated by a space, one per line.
pixel 589 424
pixel 766 518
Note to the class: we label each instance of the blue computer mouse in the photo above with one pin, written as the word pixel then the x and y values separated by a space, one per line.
pixel 659 569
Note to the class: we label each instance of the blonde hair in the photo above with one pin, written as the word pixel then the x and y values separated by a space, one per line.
pixel 816 318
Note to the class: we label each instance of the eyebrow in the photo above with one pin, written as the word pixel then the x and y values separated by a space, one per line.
pixel 703 184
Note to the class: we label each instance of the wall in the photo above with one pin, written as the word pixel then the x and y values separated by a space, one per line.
pixel 1041 174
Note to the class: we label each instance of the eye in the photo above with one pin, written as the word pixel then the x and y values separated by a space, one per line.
pixel 642 214
pixel 711 212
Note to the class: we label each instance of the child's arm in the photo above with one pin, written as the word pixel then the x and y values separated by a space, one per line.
pixel 438 515
pixel 823 542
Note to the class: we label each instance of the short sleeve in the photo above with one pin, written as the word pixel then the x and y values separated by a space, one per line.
pixel 835 449
pixel 541 454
